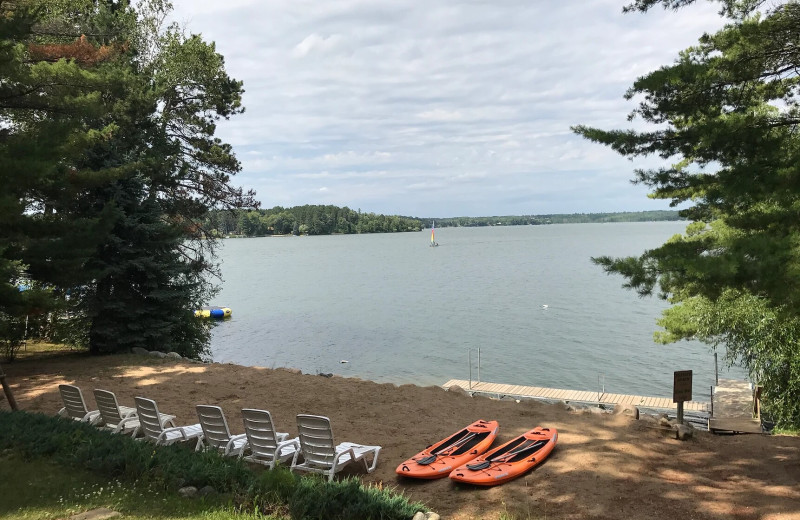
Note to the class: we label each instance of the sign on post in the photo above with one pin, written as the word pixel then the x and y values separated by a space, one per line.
pixel 681 390
pixel 682 386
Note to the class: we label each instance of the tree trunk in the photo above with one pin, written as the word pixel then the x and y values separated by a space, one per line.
pixel 7 390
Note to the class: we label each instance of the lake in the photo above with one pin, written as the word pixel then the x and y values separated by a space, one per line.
pixel 399 311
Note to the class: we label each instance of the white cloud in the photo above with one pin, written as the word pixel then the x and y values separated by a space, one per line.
pixel 451 108
pixel 315 43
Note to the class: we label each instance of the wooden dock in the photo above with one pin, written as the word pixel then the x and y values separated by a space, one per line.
pixel 519 391
pixel 736 408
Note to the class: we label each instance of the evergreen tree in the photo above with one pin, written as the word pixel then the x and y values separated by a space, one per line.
pixel 110 178
pixel 728 116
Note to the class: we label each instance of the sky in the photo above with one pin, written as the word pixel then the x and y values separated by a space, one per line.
pixel 442 108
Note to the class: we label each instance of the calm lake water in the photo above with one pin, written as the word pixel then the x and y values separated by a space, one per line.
pixel 402 312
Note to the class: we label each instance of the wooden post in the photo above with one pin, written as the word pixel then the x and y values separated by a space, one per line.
pixel 7 390
pixel 680 412
pixel 712 400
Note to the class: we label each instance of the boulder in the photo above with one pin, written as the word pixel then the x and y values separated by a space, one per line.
pixel 140 351
pixel 683 432
pixel 626 409
pixel 188 492
pixel 419 516
pixel 664 421
pixel 206 490
pixel 432 516
pixel 158 354
pixel 456 390
pixel 174 355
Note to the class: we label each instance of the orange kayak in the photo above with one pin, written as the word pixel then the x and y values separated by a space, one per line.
pixel 510 460
pixel 438 460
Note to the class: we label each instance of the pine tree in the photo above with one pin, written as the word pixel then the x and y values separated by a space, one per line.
pixel 728 120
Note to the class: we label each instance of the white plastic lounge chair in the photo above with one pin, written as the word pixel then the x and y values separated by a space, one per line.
pixel 121 419
pixel 216 433
pixel 264 444
pixel 75 406
pixel 322 455
pixel 153 429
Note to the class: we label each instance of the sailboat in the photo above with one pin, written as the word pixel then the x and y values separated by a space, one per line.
pixel 434 243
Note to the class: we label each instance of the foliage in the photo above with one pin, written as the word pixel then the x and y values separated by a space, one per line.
pixel 556 218
pixel 754 335
pixel 79 445
pixel 346 499
pixel 326 220
pixel 109 162
pixel 306 220
pixel 727 117
pixel 37 488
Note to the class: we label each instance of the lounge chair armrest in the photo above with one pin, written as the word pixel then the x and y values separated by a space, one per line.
pixel 232 441
pixel 344 452
pixel 167 431
pixel 125 420
pixel 290 442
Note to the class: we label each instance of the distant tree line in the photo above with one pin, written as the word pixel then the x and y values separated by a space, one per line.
pixel 305 220
pixel 563 218
pixel 328 220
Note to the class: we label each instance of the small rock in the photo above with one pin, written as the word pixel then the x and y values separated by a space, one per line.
pixel 206 490
pixel 140 350
pixel 174 355
pixel 626 409
pixel 432 516
pixel 596 410
pixel 158 354
pixel 456 389
pixel 683 432
pixel 664 421
pixel 188 492
pixel 419 516
pixel 324 374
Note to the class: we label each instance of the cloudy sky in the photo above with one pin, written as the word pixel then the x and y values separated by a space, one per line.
pixel 440 108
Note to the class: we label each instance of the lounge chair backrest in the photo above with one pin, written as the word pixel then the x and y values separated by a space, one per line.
pixel 215 427
pixel 260 432
pixel 74 405
pixel 108 406
pixel 149 418
pixel 316 440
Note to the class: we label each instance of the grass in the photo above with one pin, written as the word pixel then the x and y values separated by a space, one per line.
pixel 37 489
pixel 34 349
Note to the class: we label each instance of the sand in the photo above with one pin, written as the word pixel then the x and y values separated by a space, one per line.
pixel 605 466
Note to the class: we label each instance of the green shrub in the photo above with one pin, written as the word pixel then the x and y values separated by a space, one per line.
pixel 315 499
pixel 79 445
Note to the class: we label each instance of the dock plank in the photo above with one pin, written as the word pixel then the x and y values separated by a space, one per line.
pixel 585 396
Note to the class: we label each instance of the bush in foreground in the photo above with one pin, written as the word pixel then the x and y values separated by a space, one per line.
pixel 80 445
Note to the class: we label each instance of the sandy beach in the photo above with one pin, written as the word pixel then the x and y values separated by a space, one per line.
pixel 605 466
